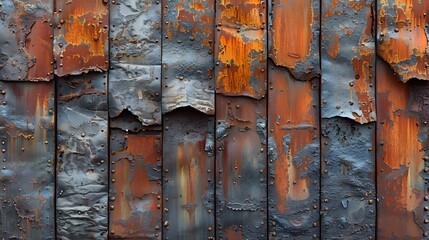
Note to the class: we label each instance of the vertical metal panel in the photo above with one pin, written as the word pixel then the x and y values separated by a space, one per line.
pixel 135 36
pixel 294 156
pixel 348 160
pixel 188 188
pixel 241 168
pixel 26 40
pixel 240 50
pixel 402 170
pixel 402 32
pixel 27 126
pixel 82 168
pixel 135 189
pixel 81 36
pixel 188 55
pixel 347 60
pixel 294 36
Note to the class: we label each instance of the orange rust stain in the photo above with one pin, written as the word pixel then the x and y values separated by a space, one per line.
pixel 299 110
pixel 238 55
pixel 232 234
pixel 294 18
pixel 334 49
pixel 246 13
pixel 362 87
pixel 39 45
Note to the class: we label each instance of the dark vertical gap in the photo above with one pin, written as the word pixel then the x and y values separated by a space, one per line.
pixel 162 121
pixel 214 123
pixel 375 26
pixel 320 117
pixel 55 79
pixel 267 83
pixel 108 124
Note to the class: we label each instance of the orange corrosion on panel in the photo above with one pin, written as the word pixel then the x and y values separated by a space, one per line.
pixel 334 49
pixel 237 53
pixel 246 13
pixel 400 158
pixel 294 18
pixel 297 120
pixel 39 50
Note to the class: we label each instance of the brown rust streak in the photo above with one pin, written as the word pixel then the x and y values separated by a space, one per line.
pixel 294 18
pixel 39 47
pixel 400 185
pixel 299 97
pixel 83 26
pixel 406 39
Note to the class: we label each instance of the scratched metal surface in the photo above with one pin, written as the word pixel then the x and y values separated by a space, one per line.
pixel 27 128
pixel 25 40
pixel 135 32
pixel 81 36
pixel 187 48
pixel 294 36
pixel 402 168
pixel 241 48
pixel 347 57
pixel 294 156
pixel 137 89
pixel 188 177
pixel 82 160
pixel 402 37
pixel 135 188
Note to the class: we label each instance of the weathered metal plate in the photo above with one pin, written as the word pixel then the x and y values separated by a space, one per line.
pixel 26 40
pixel 81 36
pixel 188 55
pixel 135 188
pixel 241 168
pixel 402 166
pixel 402 34
pixel 294 156
pixel 137 89
pixel 27 155
pixel 241 44
pixel 294 36
pixel 348 179
pixel 347 55
pixel 135 32
pixel 82 167
pixel 188 163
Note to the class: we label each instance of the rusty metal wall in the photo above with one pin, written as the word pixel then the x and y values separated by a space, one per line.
pixel 214 119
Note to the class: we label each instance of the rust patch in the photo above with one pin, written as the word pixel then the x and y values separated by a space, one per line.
pixel 81 36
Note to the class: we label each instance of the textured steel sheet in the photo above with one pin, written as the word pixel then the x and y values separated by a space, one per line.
pixel 26 40
pixel 135 36
pixel 403 37
pixel 294 156
pixel 241 48
pixel 188 178
pixel 137 89
pixel 294 36
pixel 82 167
pixel 27 155
pixel 188 55
pixel 135 188
pixel 347 55
pixel 81 36
pixel 402 166
pixel 241 168
pixel 348 179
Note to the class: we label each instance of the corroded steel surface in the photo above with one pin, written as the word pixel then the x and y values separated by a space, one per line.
pixel 241 168
pixel 26 40
pixel 294 36
pixel 81 36
pixel 27 128
pixel 82 160
pixel 401 155
pixel 137 89
pixel 135 188
pixel 241 48
pixel 294 156
pixel 188 50
pixel 135 36
pixel 402 34
pixel 188 178
pixel 348 180
pixel 347 56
